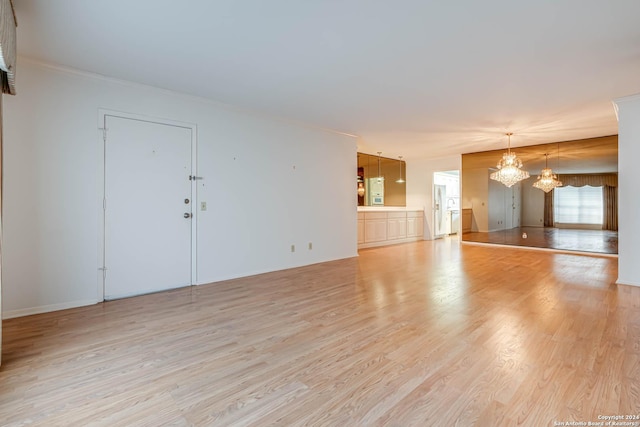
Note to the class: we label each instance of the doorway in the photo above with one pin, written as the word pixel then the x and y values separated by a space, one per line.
pixel 446 203
pixel 149 228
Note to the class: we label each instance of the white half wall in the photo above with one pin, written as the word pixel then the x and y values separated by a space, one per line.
pixel 628 181
pixel 420 185
pixel 268 184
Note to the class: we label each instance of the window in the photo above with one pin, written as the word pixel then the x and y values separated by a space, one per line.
pixel 578 205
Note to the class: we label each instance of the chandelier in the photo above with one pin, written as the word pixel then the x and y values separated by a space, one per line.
pixel 509 168
pixel 547 180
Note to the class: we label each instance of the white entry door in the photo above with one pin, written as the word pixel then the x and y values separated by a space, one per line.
pixel 148 207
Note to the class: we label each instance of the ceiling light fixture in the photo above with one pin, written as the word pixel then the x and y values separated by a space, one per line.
pixel 547 180
pixel 509 168
pixel 380 178
pixel 400 180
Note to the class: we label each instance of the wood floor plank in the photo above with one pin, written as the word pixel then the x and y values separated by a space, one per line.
pixel 416 334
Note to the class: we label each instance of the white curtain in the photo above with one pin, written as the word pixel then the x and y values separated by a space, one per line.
pixel 8 25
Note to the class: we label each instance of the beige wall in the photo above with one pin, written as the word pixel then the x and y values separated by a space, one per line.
pixel 475 196
pixel 420 185
pixel 532 204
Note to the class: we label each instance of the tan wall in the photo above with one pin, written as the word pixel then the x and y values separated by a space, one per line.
pixel 475 196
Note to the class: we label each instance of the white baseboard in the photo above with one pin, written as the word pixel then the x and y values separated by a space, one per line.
pixel 388 242
pixel 626 282
pixel 46 308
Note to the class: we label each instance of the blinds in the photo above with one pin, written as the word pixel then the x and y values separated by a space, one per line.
pixel 578 205
pixel 7 47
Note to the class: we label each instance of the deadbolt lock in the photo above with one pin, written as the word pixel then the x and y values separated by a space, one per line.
pixel 186 201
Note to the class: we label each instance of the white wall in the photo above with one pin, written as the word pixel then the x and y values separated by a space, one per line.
pixel 420 185
pixel 268 184
pixel 628 181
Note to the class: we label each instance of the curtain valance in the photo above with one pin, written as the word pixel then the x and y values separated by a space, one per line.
pixel 591 179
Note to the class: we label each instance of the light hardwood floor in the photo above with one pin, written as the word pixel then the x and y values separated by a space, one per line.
pixel 420 334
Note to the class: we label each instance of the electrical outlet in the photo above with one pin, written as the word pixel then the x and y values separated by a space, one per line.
pixel 293 248
pixel 310 246
pixel 203 206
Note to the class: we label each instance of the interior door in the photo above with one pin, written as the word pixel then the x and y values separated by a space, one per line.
pixel 508 208
pixel 516 212
pixel 439 209
pixel 148 207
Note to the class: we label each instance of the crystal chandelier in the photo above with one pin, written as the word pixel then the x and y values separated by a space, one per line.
pixel 547 180
pixel 509 168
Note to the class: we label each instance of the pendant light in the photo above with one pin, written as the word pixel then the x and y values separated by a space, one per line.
pixel 380 178
pixel 400 180
pixel 509 168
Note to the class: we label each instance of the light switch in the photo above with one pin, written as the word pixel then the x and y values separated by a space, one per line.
pixel 203 206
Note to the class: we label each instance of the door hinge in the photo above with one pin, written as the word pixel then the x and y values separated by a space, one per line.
pixel 104 204
pixel 194 178
pixel 104 272
pixel 104 134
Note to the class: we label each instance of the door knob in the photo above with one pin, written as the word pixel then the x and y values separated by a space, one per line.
pixel 188 215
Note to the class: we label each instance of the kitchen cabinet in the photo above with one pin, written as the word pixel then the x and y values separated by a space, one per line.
pixel 387 227
pixel 396 225
pixel 360 227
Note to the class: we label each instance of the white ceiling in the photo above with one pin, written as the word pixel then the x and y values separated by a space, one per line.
pixel 416 78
